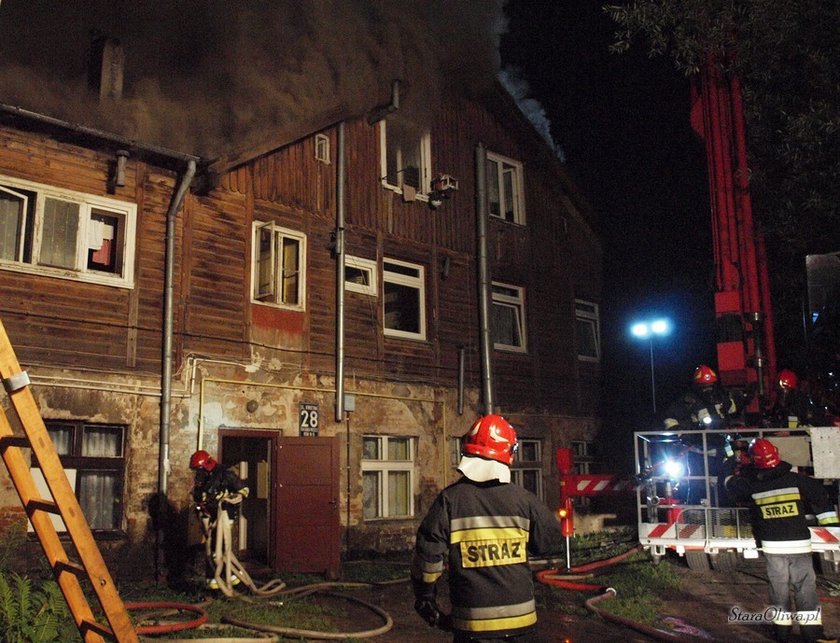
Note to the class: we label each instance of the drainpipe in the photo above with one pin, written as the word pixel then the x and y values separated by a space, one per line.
pixel 339 277
pixel 486 341
pixel 168 316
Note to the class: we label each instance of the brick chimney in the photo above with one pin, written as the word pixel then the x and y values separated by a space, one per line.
pixel 106 61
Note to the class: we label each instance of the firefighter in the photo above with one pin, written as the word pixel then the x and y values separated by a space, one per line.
pixel 793 406
pixel 779 501
pixel 706 406
pixel 217 493
pixel 482 529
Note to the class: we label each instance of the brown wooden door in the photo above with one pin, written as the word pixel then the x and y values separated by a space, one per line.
pixel 306 522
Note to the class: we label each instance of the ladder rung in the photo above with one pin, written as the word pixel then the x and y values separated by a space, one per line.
pixel 39 504
pixel 73 568
pixel 13 441
pixel 94 626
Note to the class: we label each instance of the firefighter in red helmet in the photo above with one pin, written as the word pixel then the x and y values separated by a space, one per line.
pixel 482 529
pixel 707 405
pixel 794 405
pixel 779 500
pixel 212 482
pixel 215 487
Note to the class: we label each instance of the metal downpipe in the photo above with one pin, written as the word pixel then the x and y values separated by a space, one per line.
pixel 339 276
pixel 486 340
pixel 168 323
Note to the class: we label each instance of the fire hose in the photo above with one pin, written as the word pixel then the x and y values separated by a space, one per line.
pixel 571 582
pixel 227 570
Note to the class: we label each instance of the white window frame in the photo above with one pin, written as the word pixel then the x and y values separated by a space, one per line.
pixel 270 294
pixel 520 466
pixel 513 299
pixel 417 282
pixel 368 268
pixel 382 467
pixel 424 171
pixel 32 242
pixel 587 315
pixel 498 169
pixel 322 148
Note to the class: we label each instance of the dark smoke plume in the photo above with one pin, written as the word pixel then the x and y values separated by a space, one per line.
pixel 203 75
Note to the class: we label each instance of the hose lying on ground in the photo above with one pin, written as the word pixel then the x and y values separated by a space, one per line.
pixel 325 588
pixel 571 581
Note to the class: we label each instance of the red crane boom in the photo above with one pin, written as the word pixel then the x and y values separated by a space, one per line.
pixel 746 350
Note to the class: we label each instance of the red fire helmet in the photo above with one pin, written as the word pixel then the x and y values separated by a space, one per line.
pixel 704 375
pixel 788 380
pixel 202 460
pixel 765 454
pixel 491 437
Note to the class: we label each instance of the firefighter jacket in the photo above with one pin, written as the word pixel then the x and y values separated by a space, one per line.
pixel 698 410
pixel 211 486
pixel 780 500
pixel 484 532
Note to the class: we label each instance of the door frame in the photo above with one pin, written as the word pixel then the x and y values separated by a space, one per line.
pixel 273 438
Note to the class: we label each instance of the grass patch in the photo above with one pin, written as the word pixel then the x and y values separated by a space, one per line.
pixel 638 584
pixel 637 581
pixel 374 572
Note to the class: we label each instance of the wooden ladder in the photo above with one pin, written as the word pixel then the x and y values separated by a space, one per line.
pixel 90 564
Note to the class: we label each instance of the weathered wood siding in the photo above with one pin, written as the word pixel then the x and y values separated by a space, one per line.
pixel 64 322
pixel 554 256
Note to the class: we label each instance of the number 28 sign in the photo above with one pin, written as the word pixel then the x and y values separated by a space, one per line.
pixel 308 419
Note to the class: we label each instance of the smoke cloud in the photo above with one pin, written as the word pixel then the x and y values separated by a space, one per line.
pixel 204 75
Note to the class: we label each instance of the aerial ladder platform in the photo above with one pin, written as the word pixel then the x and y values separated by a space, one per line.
pixel 87 562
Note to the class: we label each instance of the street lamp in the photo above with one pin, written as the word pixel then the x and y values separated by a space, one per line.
pixel 648 330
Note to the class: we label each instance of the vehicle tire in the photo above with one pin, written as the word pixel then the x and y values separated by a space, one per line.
pixel 825 567
pixel 697 561
pixel 725 561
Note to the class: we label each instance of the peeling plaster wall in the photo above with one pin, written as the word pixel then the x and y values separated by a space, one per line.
pixel 212 396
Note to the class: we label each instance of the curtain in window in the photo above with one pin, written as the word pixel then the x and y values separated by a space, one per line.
pixel 99 490
pixel 370 494
pixel 61 226
pixel 398 482
pixel 10 225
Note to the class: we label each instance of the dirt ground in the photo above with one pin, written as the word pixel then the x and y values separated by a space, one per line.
pixel 697 612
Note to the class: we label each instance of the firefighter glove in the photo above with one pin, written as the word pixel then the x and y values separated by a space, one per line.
pixel 428 611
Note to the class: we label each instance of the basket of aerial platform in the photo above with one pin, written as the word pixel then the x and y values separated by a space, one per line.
pixel 682 505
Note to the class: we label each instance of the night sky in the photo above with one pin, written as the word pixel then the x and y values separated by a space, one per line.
pixel 623 123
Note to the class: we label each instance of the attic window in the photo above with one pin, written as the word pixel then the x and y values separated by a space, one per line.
pixel 322 148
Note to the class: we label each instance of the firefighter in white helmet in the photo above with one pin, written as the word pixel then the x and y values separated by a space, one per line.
pixel 482 530
pixel 779 500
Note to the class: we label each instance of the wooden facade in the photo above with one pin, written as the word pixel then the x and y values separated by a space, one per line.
pixel 94 350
